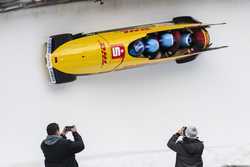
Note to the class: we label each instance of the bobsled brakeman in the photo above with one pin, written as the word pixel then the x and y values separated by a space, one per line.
pixel 181 39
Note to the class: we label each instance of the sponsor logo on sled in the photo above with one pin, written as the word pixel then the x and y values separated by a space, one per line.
pixel 104 52
pixel 118 51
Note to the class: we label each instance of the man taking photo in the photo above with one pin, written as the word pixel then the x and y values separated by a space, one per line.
pixel 58 150
pixel 189 149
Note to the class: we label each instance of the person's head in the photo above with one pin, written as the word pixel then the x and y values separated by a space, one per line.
pixel 191 132
pixel 53 129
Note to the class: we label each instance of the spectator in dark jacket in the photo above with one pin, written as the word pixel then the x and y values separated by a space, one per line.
pixel 58 151
pixel 189 149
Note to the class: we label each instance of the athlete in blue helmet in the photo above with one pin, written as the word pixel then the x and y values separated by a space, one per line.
pixel 171 50
pixel 186 40
pixel 137 48
pixel 152 47
pixel 167 40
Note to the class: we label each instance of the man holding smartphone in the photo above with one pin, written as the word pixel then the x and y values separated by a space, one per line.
pixel 58 150
pixel 189 149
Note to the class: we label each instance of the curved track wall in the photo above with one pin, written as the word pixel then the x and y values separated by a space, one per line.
pixel 126 117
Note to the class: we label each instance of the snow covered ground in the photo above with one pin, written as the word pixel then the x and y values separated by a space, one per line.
pixel 126 117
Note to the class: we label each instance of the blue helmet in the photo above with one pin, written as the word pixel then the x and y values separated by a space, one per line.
pixel 186 40
pixel 167 40
pixel 152 45
pixel 137 48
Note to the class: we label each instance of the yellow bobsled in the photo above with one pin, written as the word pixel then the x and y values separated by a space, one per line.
pixel 181 39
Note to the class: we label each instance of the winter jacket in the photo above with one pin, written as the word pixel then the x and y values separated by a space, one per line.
pixel 188 151
pixel 60 152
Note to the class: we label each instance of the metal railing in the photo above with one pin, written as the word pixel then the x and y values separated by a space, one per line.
pixel 12 5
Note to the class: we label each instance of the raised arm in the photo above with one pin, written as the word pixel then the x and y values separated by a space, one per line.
pixel 174 145
pixel 77 145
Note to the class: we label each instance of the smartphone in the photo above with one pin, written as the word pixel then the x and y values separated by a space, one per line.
pixel 184 130
pixel 68 128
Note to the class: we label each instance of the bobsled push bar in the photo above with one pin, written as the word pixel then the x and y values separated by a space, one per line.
pixel 203 25
pixel 192 25
pixel 191 54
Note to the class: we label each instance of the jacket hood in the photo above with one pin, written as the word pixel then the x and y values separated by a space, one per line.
pixel 193 146
pixel 52 139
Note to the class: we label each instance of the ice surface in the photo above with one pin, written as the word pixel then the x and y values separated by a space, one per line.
pixel 126 117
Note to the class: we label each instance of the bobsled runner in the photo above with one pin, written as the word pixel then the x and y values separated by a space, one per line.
pixel 181 40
